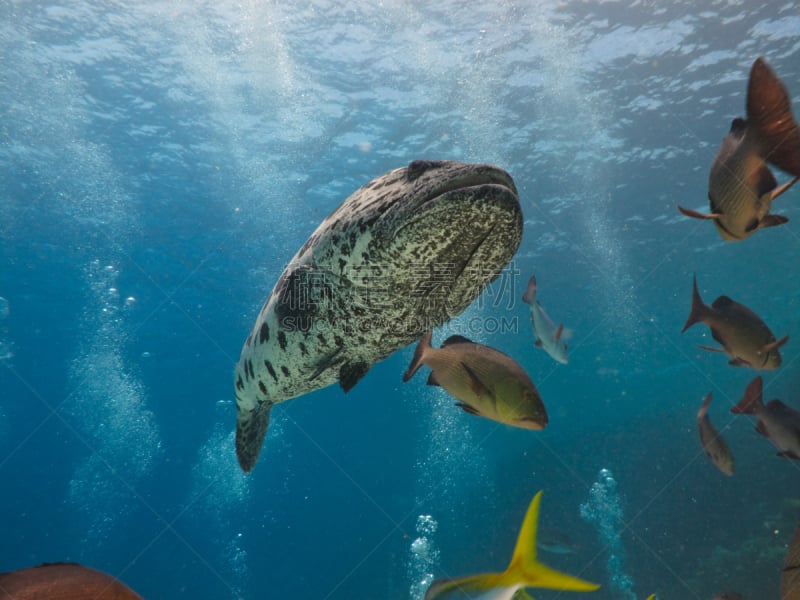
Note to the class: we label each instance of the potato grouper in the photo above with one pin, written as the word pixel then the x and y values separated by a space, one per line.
pixel 400 256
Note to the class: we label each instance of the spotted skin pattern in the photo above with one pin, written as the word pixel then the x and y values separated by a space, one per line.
pixel 403 254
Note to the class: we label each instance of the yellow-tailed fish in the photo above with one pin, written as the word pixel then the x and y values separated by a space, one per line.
pixel 488 383
pixel 712 441
pixel 741 186
pixel 779 423
pixel 549 337
pixel 523 571
pixel 741 332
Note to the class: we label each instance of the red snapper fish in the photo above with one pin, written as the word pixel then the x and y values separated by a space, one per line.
pixel 63 581
pixel 777 422
pixel 741 186
pixel 487 382
pixel 741 332
pixel 713 443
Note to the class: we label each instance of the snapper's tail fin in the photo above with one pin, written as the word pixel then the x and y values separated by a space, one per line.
pixel 752 398
pixel 769 113
pixel 416 362
pixel 529 297
pixel 699 309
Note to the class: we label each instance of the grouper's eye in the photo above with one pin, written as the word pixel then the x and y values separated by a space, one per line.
pixel 418 167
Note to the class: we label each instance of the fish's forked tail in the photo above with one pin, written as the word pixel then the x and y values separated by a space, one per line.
pixel 251 429
pixel 527 571
pixel 523 571
pixel 416 362
pixel 699 309
pixel 769 113
pixel 529 297
pixel 752 399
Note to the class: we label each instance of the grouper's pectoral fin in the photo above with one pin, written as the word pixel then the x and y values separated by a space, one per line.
pixel 251 428
pixel 351 373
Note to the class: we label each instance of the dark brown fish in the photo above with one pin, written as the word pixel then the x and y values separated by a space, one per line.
pixel 714 445
pixel 741 186
pixel 63 581
pixel 487 382
pixel 790 574
pixel 728 596
pixel 779 423
pixel 741 332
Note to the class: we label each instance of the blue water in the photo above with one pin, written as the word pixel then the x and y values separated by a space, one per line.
pixel 161 161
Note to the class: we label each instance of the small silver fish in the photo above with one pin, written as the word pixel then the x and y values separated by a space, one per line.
pixel 777 422
pixel 555 541
pixel 549 337
pixel 714 445
pixel 741 186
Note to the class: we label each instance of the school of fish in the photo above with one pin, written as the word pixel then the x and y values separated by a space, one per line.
pixel 279 363
pixel 741 190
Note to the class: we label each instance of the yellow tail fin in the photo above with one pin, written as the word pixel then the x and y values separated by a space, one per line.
pixel 523 571
pixel 527 570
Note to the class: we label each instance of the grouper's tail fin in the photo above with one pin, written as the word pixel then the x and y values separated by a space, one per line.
pixel 769 113
pixel 251 428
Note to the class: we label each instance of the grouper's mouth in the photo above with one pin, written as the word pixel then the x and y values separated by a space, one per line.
pixel 480 182
pixel 473 176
